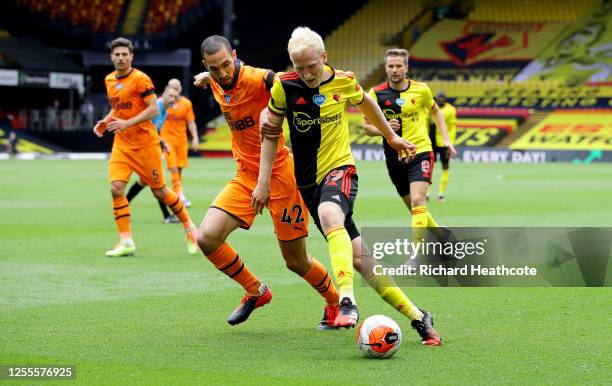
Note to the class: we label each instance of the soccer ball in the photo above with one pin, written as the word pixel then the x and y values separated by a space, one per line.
pixel 378 337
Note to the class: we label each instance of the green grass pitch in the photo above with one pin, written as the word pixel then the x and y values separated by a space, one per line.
pixel 160 317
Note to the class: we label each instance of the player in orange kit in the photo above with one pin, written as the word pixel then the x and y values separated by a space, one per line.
pixel 174 131
pixel 136 146
pixel 243 92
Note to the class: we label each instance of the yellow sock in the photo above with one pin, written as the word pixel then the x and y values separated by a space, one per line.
pixel 420 222
pixel 433 226
pixel 443 182
pixel 390 293
pixel 341 256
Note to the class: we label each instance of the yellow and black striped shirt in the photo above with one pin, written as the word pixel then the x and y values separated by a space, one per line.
pixel 318 121
pixel 411 107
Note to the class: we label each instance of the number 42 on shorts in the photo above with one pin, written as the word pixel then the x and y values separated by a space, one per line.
pixel 296 212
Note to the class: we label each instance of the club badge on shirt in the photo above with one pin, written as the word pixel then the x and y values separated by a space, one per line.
pixel 319 99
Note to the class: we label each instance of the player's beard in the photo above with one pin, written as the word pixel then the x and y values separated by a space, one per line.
pixel 225 82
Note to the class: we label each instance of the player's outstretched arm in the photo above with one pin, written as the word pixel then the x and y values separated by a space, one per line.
pixel 372 112
pixel 152 110
pixel 202 80
pixel 270 124
pixel 269 146
pixel 261 193
pixel 441 124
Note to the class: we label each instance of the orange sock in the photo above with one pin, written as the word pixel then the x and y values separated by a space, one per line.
pixel 173 201
pixel 226 259
pixel 121 211
pixel 320 280
pixel 177 187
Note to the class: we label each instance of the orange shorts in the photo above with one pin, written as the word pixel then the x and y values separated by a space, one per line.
pixel 287 209
pixel 177 158
pixel 146 162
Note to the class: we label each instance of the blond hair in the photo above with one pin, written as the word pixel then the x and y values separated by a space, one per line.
pixel 398 52
pixel 302 39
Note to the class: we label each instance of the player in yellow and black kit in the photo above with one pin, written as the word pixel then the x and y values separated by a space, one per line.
pixel 435 135
pixel 314 98
pixel 407 105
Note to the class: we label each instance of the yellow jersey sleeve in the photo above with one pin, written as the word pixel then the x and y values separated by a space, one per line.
pixel 278 100
pixel 428 100
pixel 354 92
pixel 373 95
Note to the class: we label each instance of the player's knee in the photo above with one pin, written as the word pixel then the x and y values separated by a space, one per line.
pixel 209 240
pixel 417 200
pixel 295 264
pixel 330 215
pixel 160 194
pixel 117 190
pixel 296 258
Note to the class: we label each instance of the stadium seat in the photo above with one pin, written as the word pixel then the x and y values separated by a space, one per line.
pixel 100 16
pixel 359 44
pixel 528 11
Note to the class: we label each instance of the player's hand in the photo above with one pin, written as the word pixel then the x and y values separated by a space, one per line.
pixel 260 197
pixel 117 125
pixel 201 80
pixel 100 128
pixel 395 124
pixel 195 144
pixel 266 128
pixel 405 150
pixel 451 152
pixel 164 145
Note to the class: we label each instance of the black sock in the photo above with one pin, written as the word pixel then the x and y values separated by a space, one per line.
pixel 164 210
pixel 134 190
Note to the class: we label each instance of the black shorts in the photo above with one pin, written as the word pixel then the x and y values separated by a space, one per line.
pixel 338 186
pixel 419 168
pixel 442 155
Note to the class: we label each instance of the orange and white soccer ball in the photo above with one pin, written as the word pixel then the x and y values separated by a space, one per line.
pixel 379 337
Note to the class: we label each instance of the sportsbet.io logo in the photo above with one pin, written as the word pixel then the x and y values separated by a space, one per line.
pixel 303 122
pixel 390 114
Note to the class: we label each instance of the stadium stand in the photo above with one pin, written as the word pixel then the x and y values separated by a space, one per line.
pixel 100 15
pixel 361 41
pixel 162 13
pixel 505 66
pixel 133 17
pixel 527 11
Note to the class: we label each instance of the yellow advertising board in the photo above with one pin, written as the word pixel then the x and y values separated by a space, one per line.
pixel 536 95
pixel 470 132
pixel 24 145
pixel 570 130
